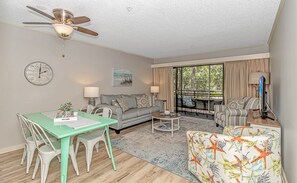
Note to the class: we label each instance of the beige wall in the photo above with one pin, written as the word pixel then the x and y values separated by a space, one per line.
pixel 283 49
pixel 83 65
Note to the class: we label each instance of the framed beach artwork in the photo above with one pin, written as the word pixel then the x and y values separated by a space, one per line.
pixel 121 78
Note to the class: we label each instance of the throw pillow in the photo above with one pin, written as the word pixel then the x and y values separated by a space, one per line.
pixel 236 104
pixel 150 100
pixel 123 104
pixel 114 102
pixel 143 101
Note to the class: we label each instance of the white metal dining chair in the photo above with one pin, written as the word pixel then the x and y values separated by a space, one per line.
pixel 30 145
pixel 87 108
pixel 47 151
pixel 93 138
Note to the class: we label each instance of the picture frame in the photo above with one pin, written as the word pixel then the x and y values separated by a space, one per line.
pixel 122 78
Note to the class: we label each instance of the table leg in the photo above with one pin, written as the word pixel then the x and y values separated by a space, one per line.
pixel 64 158
pixel 152 125
pixel 178 123
pixel 172 128
pixel 110 148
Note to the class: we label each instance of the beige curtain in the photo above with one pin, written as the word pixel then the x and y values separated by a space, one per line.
pixel 163 77
pixel 236 82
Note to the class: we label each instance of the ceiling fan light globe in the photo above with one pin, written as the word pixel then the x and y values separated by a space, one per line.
pixel 63 30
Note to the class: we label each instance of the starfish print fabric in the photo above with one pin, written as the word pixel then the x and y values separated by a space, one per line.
pixel 241 154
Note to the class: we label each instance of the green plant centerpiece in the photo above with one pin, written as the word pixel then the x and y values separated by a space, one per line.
pixel 65 109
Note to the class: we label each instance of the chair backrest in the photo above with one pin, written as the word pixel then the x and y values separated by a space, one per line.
pixel 187 101
pixel 104 112
pixel 252 103
pixel 200 104
pixel 25 127
pixel 39 136
pixel 87 108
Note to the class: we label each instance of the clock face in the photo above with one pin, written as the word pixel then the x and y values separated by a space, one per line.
pixel 39 73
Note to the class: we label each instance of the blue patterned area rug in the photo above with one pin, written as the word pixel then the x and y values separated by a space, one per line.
pixel 159 148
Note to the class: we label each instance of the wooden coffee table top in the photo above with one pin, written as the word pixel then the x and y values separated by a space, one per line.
pixel 161 115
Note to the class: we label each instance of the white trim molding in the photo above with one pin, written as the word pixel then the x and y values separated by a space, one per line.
pixel 212 60
pixel 11 148
pixel 284 177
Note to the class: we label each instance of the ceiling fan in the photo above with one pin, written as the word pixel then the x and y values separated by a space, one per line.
pixel 63 22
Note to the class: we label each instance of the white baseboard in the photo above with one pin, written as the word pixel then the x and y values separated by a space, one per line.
pixel 11 148
pixel 284 177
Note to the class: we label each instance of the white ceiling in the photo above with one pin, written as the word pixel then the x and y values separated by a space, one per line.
pixel 161 28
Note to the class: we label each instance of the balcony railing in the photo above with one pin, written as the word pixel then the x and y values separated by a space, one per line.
pixel 198 101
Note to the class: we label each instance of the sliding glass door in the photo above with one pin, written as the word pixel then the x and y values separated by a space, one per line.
pixel 198 88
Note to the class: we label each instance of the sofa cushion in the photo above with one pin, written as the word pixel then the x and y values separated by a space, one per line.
pixel 106 99
pixel 144 111
pixel 114 102
pixel 143 101
pixel 123 104
pixel 149 96
pixel 220 114
pixel 137 95
pixel 236 104
pixel 252 103
pixel 131 113
pixel 131 101
pixel 155 109
pixel 223 117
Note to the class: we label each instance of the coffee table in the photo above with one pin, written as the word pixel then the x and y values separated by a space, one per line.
pixel 167 123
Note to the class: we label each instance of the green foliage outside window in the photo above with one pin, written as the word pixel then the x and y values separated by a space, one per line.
pixel 201 79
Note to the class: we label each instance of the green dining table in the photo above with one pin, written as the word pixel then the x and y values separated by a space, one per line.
pixel 64 133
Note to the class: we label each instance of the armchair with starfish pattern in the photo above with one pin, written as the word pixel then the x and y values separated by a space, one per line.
pixel 241 154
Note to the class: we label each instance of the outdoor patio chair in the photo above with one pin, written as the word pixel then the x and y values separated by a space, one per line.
pixel 188 103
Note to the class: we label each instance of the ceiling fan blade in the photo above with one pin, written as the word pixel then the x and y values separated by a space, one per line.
pixel 41 12
pixel 40 23
pixel 86 31
pixel 79 20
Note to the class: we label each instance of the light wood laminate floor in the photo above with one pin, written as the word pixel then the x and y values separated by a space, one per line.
pixel 129 168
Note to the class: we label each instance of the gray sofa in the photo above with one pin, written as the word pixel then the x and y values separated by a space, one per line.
pixel 132 116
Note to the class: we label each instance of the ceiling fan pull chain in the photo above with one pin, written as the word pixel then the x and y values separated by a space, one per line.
pixel 63 48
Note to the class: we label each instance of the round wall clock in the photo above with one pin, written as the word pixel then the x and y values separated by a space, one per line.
pixel 38 73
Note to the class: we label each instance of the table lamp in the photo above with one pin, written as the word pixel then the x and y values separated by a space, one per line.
pixel 154 91
pixel 91 93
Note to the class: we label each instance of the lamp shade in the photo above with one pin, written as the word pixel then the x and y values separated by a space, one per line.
pixel 254 77
pixel 154 89
pixel 63 30
pixel 91 92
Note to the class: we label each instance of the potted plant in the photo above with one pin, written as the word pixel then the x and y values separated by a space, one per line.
pixel 66 108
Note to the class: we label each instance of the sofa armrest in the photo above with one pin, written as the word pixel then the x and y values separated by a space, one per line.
pixel 219 108
pixel 237 112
